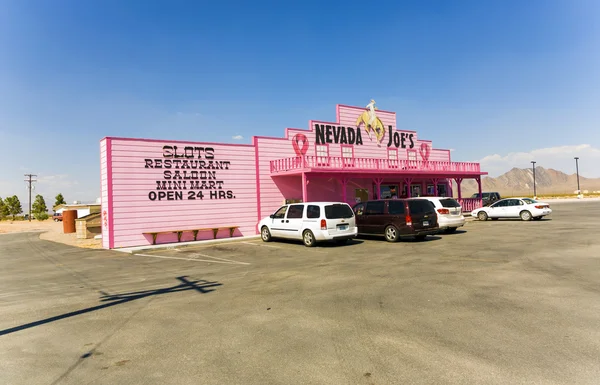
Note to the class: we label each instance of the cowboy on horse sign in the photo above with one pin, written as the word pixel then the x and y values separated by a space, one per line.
pixel 372 122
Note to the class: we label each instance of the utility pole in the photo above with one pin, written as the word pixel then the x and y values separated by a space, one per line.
pixel 577 168
pixel 534 192
pixel 30 181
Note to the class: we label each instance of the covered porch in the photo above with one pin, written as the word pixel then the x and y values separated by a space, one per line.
pixel 355 187
pixel 410 178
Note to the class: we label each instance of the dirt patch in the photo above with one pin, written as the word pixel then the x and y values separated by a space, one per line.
pixel 51 231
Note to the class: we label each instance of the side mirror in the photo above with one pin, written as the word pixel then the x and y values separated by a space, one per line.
pixel 272 216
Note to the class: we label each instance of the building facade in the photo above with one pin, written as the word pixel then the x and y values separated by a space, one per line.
pixel 151 186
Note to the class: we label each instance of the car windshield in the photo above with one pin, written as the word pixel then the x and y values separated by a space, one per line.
pixel 529 200
pixel 338 211
pixel 449 203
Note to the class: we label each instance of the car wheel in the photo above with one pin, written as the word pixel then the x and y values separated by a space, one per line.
pixel 525 215
pixel 308 238
pixel 391 234
pixel 482 216
pixel 265 234
pixel 55 220
pixel 420 238
pixel 450 230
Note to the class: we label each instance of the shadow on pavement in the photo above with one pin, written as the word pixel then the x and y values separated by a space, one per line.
pixel 200 286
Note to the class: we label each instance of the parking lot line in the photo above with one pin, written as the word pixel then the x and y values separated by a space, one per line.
pixel 260 244
pixel 227 262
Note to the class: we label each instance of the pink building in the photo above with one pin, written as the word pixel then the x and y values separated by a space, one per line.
pixel 164 191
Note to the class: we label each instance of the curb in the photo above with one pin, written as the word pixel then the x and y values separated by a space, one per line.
pixel 178 245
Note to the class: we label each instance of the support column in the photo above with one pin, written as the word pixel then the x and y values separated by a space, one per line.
pixel 458 182
pixel 450 192
pixel 408 182
pixel 378 182
pixel 304 188
pixel 480 196
pixel 435 183
pixel 344 181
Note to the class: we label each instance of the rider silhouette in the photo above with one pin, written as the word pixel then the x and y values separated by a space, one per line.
pixel 371 107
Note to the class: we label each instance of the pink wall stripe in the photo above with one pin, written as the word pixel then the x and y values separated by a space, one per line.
pixel 111 222
pixel 255 143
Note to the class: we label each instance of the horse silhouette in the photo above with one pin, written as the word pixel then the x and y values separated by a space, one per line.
pixel 379 128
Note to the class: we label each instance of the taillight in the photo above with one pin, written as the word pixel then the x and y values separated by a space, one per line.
pixel 408 220
pixel 323 224
pixel 541 207
pixel 443 211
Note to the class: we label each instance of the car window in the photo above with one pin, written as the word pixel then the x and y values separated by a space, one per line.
pixel 420 206
pixel 359 209
pixel 280 213
pixel 529 201
pixel 396 207
pixel 499 204
pixel 295 211
pixel 313 212
pixel 338 211
pixel 513 202
pixel 449 202
pixel 375 208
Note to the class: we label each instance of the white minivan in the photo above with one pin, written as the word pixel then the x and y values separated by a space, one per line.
pixel 310 222
pixel 449 212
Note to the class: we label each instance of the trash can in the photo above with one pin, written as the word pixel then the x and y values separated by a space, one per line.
pixel 69 217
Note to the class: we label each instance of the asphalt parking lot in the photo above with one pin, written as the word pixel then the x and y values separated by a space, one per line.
pixel 499 302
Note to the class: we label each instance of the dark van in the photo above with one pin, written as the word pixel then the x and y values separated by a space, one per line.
pixel 397 218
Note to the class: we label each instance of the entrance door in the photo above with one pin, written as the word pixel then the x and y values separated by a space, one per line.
pixel 441 190
pixel 361 195
pixel 415 190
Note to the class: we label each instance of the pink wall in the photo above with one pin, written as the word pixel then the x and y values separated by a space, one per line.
pixel 104 184
pixel 271 197
pixel 136 203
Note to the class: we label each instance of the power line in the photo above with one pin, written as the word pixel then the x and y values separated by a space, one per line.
pixel 30 181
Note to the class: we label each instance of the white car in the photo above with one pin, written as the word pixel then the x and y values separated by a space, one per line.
pixel 310 222
pixel 449 212
pixel 524 208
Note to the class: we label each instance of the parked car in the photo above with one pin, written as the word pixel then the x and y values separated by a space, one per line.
pixel 397 218
pixel 524 208
pixel 310 222
pixel 449 213
pixel 487 197
pixel 57 217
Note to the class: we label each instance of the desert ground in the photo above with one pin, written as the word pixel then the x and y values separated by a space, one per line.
pixel 49 231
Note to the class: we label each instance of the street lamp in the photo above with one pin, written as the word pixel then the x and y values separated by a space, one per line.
pixel 577 168
pixel 534 192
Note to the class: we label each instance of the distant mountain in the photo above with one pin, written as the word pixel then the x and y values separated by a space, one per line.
pixel 520 182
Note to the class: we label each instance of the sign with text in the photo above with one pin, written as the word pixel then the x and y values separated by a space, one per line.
pixel 190 173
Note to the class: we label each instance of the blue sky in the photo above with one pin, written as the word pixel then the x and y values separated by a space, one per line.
pixel 496 81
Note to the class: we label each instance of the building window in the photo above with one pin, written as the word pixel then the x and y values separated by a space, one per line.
pixel 392 154
pixel 322 151
pixel 348 156
pixel 347 151
pixel 392 158
pixel 411 154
